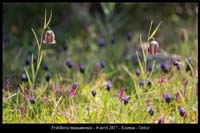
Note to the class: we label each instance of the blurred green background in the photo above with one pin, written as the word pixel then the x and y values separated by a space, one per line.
pixel 73 22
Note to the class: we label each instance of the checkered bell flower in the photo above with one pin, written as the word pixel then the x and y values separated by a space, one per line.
pixel 49 37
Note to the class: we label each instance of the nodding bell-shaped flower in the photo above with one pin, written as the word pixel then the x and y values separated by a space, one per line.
pixel 49 37
pixel 153 48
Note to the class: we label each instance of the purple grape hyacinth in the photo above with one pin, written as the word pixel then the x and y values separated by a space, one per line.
pixel 103 63
pixel 82 68
pixel 151 111
pixel 182 112
pixel 137 71
pixel 45 67
pixel 165 67
pixel 69 63
pixel 109 85
pixel 101 42
pixel 93 92
pixel 24 77
pixel 48 76
pixel 125 99
pixel 167 97
pixel 28 61
pixel 129 36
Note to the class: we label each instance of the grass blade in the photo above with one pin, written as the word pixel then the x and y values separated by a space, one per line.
pixel 38 44
pixel 154 32
pixel 27 74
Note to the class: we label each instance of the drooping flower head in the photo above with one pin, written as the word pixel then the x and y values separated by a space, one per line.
pixel 73 89
pixel 49 37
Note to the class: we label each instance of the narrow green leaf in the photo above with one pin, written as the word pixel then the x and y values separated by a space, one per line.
pixel 32 68
pixel 150 29
pixel 45 18
pixel 40 60
pixel 81 113
pixel 154 62
pixel 104 110
pixel 140 65
pixel 126 70
pixel 56 106
pixel 38 44
pixel 154 32
pixel 143 53
pixel 49 20
pixel 27 74
pixel 44 90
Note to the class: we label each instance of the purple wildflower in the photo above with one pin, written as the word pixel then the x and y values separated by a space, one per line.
pixel 167 97
pixel 165 67
pixel 178 97
pixel 149 83
pixel 28 61
pixel 141 83
pixel 148 101
pixel 22 109
pixel 120 94
pixel 137 71
pixel 93 92
pixel 161 79
pixel 125 99
pixel 7 84
pixel 73 89
pixel 48 76
pixel 151 111
pixel 103 63
pixel 60 89
pixel 129 36
pixel 69 63
pixel 81 68
pixel 109 85
pixel 161 120
pixel 101 42
pixel 182 112
pixel 24 77
pixel 45 67
pixel 32 99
